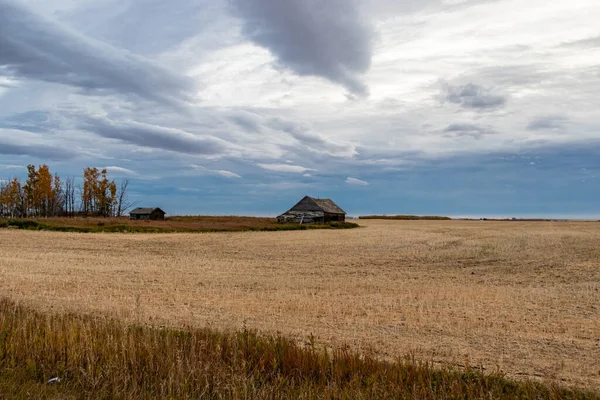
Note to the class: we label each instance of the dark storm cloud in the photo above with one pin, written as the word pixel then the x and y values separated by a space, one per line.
pixel 548 122
pixel 472 96
pixel 467 130
pixel 312 37
pixel 36 150
pixel 154 136
pixel 33 47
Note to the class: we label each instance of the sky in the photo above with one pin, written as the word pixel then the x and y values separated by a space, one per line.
pixel 241 107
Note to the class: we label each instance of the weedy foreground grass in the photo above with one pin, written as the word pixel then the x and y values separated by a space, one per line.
pixel 100 357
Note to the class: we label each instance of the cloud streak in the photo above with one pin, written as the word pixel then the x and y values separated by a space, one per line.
pixel 314 140
pixel 295 169
pixel 35 150
pixel 220 172
pixel 119 171
pixel 356 182
pixel 37 48
pixel 549 122
pixel 155 136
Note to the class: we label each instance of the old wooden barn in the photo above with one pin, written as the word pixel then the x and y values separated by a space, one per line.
pixel 147 213
pixel 313 211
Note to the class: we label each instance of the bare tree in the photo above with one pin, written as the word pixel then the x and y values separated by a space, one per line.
pixel 123 200
pixel 69 196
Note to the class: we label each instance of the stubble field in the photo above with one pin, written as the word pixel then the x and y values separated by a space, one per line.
pixel 521 297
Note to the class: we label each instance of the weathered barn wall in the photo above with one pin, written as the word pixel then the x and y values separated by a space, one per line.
pixel 310 210
pixel 302 217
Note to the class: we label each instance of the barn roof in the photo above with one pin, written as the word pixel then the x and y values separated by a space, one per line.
pixel 312 204
pixel 146 211
pixel 328 206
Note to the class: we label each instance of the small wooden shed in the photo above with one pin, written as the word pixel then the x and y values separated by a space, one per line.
pixel 313 211
pixel 147 213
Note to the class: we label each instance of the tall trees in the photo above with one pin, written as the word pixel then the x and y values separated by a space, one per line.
pixel 13 199
pixel 99 195
pixel 46 195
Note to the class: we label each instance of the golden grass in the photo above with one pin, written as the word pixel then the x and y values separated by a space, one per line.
pixel 518 296
pixel 101 358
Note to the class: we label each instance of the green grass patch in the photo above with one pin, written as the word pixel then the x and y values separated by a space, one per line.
pixel 102 358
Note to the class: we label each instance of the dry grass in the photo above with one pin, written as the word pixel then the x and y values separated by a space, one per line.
pixel 102 358
pixel 197 223
pixel 170 225
pixel 518 296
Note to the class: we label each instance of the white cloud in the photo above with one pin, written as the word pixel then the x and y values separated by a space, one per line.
pixel 220 172
pixel 358 182
pixel 119 170
pixel 226 174
pixel 11 166
pixel 296 169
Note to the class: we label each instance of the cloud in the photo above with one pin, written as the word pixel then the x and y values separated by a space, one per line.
pixel 591 42
pixel 470 130
pixel 549 122
pixel 155 136
pixel 246 120
pixel 11 166
pixel 329 39
pixel 36 150
pixel 30 121
pixel 358 182
pixel 472 96
pixel 285 168
pixel 34 47
pixel 220 172
pixel 308 137
pixel 119 170
pixel 226 174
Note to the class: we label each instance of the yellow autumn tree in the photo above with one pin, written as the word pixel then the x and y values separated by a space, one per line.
pixel 44 191
pixel 13 199
pixel 99 194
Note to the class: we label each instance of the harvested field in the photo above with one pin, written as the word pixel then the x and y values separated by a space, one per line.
pixel 518 296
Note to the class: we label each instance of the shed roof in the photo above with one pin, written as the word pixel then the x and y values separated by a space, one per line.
pixel 144 211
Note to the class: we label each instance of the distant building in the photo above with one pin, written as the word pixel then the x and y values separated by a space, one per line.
pixel 147 213
pixel 313 211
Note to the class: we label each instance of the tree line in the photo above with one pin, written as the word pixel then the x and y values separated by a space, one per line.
pixel 47 195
